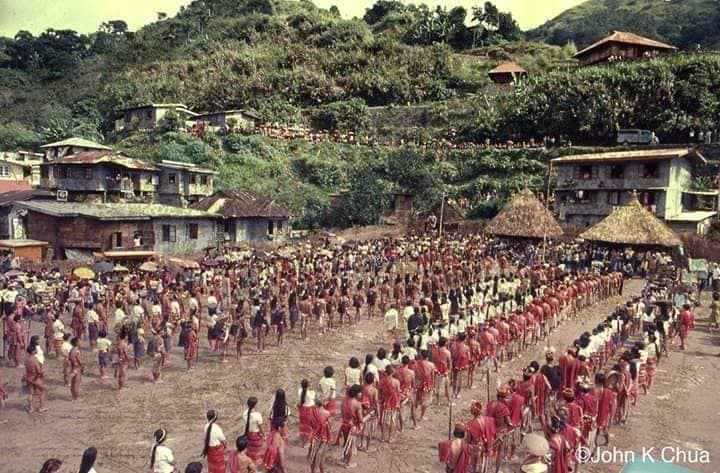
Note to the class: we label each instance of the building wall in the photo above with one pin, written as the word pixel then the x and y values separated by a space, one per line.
pixel 207 235
pixel 14 172
pixel 256 229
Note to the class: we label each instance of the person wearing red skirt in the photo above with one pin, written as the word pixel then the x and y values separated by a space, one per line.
pixel 214 446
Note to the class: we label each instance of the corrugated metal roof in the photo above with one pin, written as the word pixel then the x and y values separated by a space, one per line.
pixel 23 195
pixel 508 68
pixel 240 204
pixel 112 211
pixel 184 166
pixel 632 155
pixel 628 38
pixel 79 142
pixel 693 216
pixel 104 157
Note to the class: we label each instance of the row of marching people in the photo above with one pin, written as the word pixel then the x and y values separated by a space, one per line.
pixel 575 401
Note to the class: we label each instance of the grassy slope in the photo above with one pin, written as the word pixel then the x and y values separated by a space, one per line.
pixel 683 23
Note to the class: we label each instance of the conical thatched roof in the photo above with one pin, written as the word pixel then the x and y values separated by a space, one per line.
pixel 526 217
pixel 632 224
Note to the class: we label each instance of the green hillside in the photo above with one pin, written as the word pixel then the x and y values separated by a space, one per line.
pixel 683 23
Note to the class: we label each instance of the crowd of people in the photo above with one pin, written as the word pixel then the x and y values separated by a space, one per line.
pixel 453 308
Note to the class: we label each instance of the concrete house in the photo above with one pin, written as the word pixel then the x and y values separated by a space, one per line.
pixel 101 176
pixel 621 46
pixel 20 166
pixel 74 230
pixel 225 120
pixel 182 183
pixel 590 186
pixel 248 216
pixel 150 116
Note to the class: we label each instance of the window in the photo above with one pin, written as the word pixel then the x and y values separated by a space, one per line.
pixel 62 173
pixel 651 171
pixel 192 231
pixel 168 233
pixel 44 172
pixel 584 172
pixel 88 173
pixel 583 197
pixel 116 240
pixel 4 170
pixel 613 197
pixel 617 171
pixel 193 179
pixel 172 178
pixel 204 180
pixel 271 227
pixel 148 114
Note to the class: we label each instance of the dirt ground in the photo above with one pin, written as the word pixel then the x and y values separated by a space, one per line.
pixel 678 411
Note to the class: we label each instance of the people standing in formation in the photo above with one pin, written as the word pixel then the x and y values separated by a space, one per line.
pixel 451 306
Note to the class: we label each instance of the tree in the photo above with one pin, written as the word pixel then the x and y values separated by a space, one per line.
pixel 335 11
pixel 380 10
pixel 161 15
pixel 14 135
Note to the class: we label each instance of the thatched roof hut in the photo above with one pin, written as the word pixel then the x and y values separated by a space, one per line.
pixel 524 217
pixel 632 224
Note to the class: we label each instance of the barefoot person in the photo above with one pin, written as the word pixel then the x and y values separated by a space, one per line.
pixel 321 431
pixel 123 351
pixel 253 430
pixel 34 380
pixel 351 427
pixel 214 445
pixel 455 453
pixel 76 369
pixel 274 459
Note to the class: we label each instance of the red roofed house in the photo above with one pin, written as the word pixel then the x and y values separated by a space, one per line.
pixel 621 45
pixel 248 216
pixel 507 73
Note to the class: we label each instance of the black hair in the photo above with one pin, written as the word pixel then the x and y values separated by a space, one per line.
pixel 88 460
pixel 211 417
pixel 303 391
pixel 279 408
pixel 241 443
pixel 458 433
pixel 194 467
pixel 354 363
pixel 354 390
pixel 51 466
pixel 329 372
pixel 369 378
pixel 159 438
pixel 251 403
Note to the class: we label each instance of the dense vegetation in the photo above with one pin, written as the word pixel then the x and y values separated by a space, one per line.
pixel 683 23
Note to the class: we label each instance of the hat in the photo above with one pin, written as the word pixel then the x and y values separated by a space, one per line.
pixel 535 444
pixel 476 407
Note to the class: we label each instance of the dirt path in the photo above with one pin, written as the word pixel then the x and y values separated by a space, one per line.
pixel 120 425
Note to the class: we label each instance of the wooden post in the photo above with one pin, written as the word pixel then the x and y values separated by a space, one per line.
pixel 488 382
pixel 450 421
pixel 442 216
pixel 547 207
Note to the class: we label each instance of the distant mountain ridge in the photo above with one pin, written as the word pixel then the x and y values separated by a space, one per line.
pixel 682 23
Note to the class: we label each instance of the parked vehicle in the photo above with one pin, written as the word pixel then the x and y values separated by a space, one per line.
pixel 633 136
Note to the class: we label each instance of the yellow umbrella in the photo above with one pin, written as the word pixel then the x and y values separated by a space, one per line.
pixel 120 269
pixel 84 273
pixel 148 267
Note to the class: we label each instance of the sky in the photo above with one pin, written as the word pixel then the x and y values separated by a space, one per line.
pixel 86 15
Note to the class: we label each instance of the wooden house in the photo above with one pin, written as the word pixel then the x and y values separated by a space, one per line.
pixel 182 183
pixel 229 120
pixel 619 46
pixel 70 146
pixel 507 73
pixel 150 116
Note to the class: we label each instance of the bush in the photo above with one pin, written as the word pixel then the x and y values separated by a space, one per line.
pixel 348 115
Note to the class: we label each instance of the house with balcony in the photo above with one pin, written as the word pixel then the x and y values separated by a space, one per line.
pixel 20 166
pixel 101 176
pixel 70 146
pixel 589 186
pixel 183 183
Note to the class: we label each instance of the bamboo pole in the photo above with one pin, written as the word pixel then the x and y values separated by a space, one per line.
pixel 442 216
pixel 547 207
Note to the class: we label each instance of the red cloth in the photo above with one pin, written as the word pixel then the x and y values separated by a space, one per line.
pixel 389 397
pixel 574 414
pixel 604 408
pixel 559 449
pixel 499 411
pixel 460 357
pixel 272 453
pixel 440 364
pixel 516 404
pixel 216 459
pixel 305 422
pixel 349 419
pixel 481 431
pixel 426 382
pixel 320 424
pixel 541 393
pixel 255 445
pixel 570 367
pixel 687 322
pixel 330 406
pixel 463 461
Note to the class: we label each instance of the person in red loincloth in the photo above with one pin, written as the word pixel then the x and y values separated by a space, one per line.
pixel 321 434
pixel 425 373
pixel 370 401
pixel 686 323
pixel 499 411
pixel 123 351
pixel 574 409
pixel 214 444
pixel 442 359
pixel 604 396
pixel 558 446
pixel 351 411
pixel 406 376
pixel 34 380
pixel 460 362
pixel 474 355
pixel 274 459
pixel 456 454
pixel 480 431
pixel 570 368
pixel 389 402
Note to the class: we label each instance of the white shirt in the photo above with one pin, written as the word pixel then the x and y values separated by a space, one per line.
pixel 391 319
pixel 65 349
pixel 256 420
pixel 217 436
pixel 58 329
pixel 164 459
pixel 352 375
pixel 40 355
pixel 92 317
pixel 328 388
pixel 381 364
pixel 309 398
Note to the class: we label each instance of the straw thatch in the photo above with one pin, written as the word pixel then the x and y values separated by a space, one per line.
pixel 525 217
pixel 632 224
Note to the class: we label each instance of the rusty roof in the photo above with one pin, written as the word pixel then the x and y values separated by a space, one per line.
pixel 632 155
pixel 112 211
pixel 24 195
pixel 627 38
pixel 241 204
pixel 508 68
pixel 106 157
